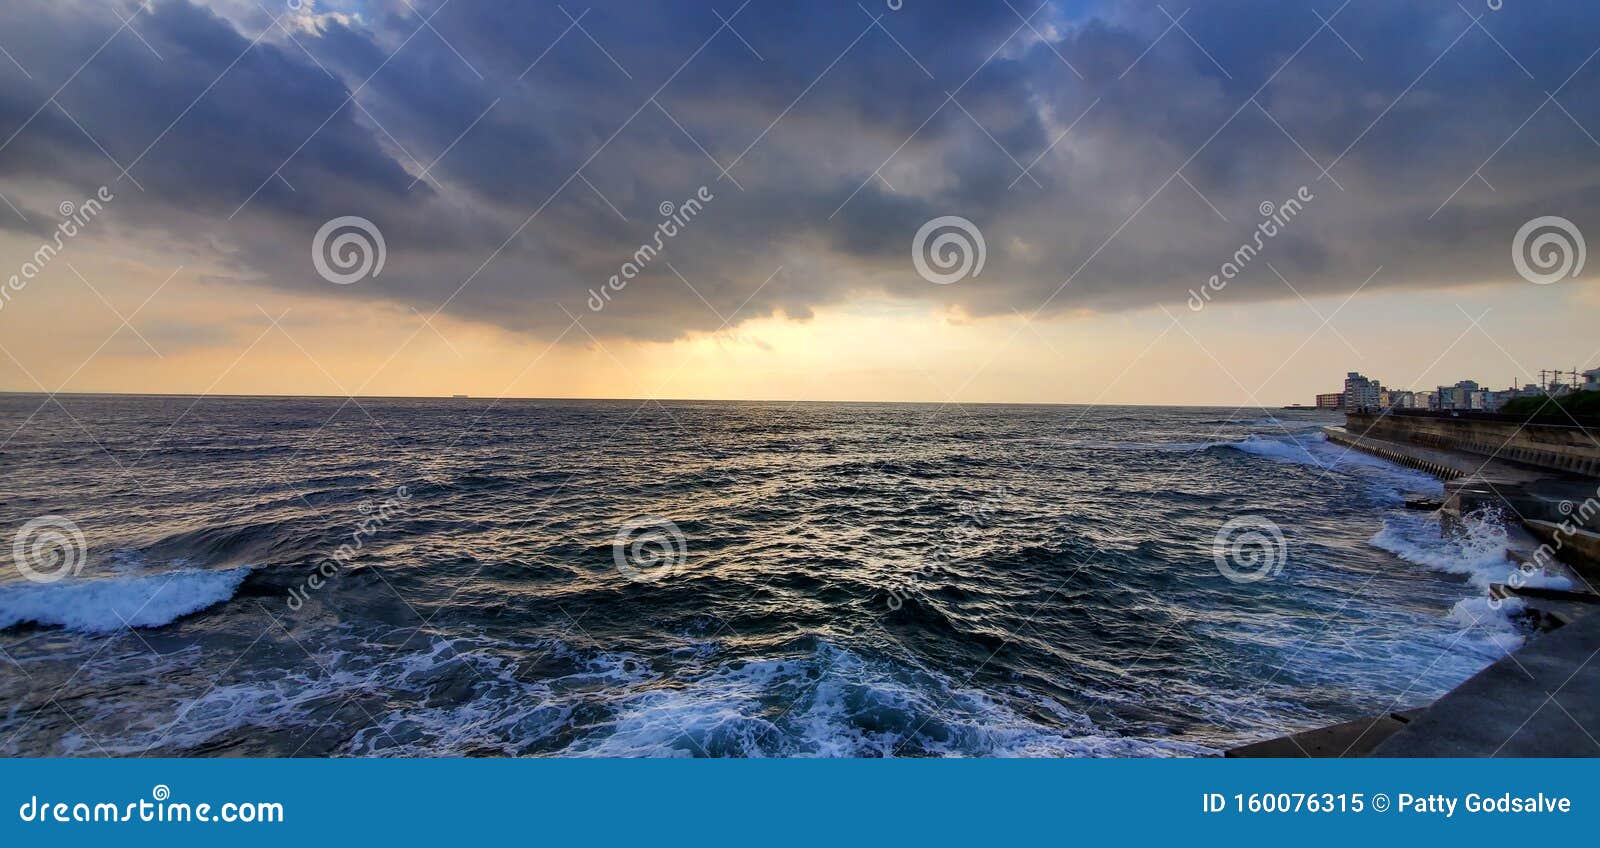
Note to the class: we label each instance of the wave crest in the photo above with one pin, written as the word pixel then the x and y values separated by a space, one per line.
pixel 105 605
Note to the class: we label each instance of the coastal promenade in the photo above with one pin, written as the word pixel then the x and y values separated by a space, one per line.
pixel 1542 700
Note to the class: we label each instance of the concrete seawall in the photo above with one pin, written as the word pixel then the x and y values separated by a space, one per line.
pixel 1562 507
pixel 1410 459
pixel 1563 448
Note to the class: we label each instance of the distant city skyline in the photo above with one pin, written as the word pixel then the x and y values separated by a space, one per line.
pixel 1364 391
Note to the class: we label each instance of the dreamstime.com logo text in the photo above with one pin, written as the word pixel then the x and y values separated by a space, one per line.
pixel 1274 220
pixel 75 219
pixel 158 808
pixel 674 220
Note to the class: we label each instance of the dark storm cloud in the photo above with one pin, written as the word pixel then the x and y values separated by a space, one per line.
pixel 843 140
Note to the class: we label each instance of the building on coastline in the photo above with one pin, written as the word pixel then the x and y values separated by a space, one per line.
pixel 1458 396
pixel 1468 395
pixel 1465 396
pixel 1494 400
pixel 1397 399
pixel 1361 392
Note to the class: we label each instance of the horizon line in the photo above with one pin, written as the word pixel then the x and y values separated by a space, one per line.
pixel 234 396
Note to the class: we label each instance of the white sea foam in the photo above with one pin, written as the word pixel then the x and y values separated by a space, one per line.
pixel 1155 447
pixel 840 705
pixel 1284 445
pixel 504 712
pixel 1306 447
pixel 1490 621
pixel 1476 549
pixel 1383 478
pixel 450 697
pixel 104 605
pixel 1280 449
pixel 465 696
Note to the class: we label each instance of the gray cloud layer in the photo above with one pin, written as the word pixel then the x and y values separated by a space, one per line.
pixel 244 149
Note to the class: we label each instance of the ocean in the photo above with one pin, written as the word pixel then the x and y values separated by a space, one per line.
pixel 398 577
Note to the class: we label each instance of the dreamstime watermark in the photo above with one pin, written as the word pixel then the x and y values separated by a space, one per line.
pixel 1548 249
pixel 674 220
pixel 158 808
pixel 75 218
pixel 49 548
pixel 1249 549
pixel 329 566
pixel 1578 515
pixel 948 249
pixel 974 518
pixel 1274 220
pixel 348 249
pixel 649 548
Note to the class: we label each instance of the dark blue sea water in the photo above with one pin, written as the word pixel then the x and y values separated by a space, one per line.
pixel 791 579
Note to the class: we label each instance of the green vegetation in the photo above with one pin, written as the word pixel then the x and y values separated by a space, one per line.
pixel 1577 404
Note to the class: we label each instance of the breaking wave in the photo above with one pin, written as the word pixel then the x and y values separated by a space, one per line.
pixel 475 697
pixel 105 605
pixel 1478 547
pixel 838 704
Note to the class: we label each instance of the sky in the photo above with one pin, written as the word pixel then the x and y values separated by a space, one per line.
pixel 1082 201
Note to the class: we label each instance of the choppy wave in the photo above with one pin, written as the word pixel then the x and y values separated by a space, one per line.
pixel 105 605
pixel 837 704
pixel 466 697
pixel 1302 446
pixel 1308 447
pixel 1278 443
pixel 1059 594
pixel 1280 448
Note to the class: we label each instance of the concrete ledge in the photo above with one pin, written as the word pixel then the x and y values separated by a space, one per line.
pixel 1548 608
pixel 1570 542
pixel 1543 700
pixel 1351 739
